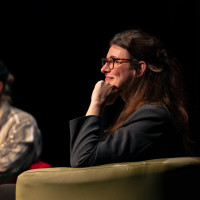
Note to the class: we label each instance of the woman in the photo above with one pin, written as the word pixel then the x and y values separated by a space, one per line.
pixel 154 121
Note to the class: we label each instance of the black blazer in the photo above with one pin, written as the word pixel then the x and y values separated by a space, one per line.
pixel 150 132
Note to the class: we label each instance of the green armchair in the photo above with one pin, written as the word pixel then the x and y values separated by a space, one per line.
pixel 157 179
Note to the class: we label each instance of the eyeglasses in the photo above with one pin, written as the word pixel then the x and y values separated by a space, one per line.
pixel 111 62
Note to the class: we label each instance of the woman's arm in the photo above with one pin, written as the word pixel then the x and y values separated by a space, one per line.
pixel 140 132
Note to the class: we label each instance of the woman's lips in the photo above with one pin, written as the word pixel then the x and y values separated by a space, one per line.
pixel 108 78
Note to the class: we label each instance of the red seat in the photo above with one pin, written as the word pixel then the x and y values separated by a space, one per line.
pixel 37 165
pixel 40 164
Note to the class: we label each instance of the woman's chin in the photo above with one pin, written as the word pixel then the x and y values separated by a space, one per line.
pixel 111 81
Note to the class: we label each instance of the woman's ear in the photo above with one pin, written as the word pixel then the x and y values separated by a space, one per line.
pixel 141 68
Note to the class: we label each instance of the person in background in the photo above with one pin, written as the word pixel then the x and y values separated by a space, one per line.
pixel 154 121
pixel 20 137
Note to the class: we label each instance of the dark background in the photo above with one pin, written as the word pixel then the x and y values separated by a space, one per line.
pixel 54 50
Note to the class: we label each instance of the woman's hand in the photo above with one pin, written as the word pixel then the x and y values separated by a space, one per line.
pixel 102 95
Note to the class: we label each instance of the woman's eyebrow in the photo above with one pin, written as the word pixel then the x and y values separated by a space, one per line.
pixel 113 57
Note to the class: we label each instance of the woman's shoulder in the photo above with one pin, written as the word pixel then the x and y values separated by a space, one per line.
pixel 151 112
pixel 152 108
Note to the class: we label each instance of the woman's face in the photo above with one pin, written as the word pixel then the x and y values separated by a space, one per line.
pixel 123 73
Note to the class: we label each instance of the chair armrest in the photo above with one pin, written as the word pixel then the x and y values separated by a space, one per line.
pixel 151 179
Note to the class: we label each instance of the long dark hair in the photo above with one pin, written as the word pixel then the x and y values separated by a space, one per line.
pixel 161 83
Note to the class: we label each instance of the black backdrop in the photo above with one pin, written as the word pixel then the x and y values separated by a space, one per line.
pixel 55 52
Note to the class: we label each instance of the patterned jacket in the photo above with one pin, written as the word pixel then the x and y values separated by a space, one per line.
pixel 20 142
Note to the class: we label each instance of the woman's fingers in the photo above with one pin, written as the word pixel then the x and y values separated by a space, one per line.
pixel 105 93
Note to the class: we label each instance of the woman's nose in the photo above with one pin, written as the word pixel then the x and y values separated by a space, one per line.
pixel 105 69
